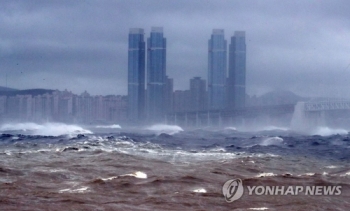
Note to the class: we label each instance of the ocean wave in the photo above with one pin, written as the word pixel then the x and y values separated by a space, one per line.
pixel 137 174
pixel 47 129
pixel 271 141
pixel 168 129
pixel 326 131
pixel 345 174
pixel 109 126
pixel 260 141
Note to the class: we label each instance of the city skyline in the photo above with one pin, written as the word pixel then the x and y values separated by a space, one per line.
pixel 226 87
pixel 62 106
pixel 298 46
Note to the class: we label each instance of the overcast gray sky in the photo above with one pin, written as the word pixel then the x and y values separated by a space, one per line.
pixel 302 46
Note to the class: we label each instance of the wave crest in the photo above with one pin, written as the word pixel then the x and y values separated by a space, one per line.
pixel 114 126
pixel 47 129
pixel 326 131
pixel 271 141
pixel 168 129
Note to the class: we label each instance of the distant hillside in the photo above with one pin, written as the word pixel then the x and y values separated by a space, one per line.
pixel 5 89
pixel 276 98
pixel 33 92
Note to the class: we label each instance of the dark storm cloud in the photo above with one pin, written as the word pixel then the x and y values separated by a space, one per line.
pixel 82 45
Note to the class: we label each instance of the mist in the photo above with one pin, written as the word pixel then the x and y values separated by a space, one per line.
pixel 296 52
pixel 298 46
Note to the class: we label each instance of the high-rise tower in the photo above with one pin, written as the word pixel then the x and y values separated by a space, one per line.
pixel 136 75
pixel 198 94
pixel 217 70
pixel 237 71
pixel 169 89
pixel 156 75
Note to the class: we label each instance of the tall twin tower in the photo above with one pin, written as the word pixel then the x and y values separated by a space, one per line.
pixel 226 90
pixel 151 104
pixel 226 87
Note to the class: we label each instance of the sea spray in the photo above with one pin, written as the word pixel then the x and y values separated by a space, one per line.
pixel 168 129
pixel 298 122
pixel 326 131
pixel 114 126
pixel 271 141
pixel 47 129
pixel 313 123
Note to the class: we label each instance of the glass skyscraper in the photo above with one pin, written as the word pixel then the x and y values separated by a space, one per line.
pixel 156 75
pixel 136 75
pixel 217 70
pixel 198 94
pixel 237 71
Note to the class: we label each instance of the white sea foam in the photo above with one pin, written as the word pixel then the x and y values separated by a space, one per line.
pixel 109 126
pixel 199 190
pixel 47 129
pixel 48 169
pixel 307 174
pixel 57 170
pixel 168 129
pixel 109 178
pixel 259 208
pixel 83 189
pixel 137 174
pixel 326 131
pixel 346 174
pixel 266 175
pixel 7 152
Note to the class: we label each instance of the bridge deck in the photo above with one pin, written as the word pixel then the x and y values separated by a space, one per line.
pixel 287 108
pixel 324 106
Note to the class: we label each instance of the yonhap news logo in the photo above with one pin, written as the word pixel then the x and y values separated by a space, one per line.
pixel 233 190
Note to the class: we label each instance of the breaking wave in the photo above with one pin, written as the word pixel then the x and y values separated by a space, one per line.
pixel 114 126
pixel 326 131
pixel 168 129
pixel 271 141
pixel 47 129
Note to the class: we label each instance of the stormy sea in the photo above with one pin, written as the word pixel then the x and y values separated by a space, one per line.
pixel 165 167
